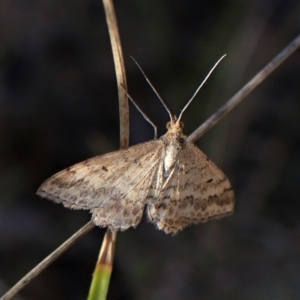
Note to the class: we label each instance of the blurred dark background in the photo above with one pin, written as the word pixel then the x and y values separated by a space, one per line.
pixel 59 106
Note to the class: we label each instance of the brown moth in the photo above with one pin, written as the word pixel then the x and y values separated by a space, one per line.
pixel 172 179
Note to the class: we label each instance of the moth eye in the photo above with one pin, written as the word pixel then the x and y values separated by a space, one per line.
pixel 181 125
pixel 168 125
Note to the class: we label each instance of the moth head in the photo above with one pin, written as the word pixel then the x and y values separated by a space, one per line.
pixel 175 123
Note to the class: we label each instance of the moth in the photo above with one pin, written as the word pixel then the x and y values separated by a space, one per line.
pixel 171 179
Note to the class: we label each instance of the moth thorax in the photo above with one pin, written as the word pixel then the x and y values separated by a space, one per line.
pixel 175 142
pixel 170 159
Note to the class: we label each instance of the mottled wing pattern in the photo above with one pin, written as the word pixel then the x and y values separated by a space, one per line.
pixel 196 191
pixel 113 186
pixel 126 211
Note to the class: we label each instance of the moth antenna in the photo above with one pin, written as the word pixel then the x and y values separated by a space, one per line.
pixel 142 113
pixel 154 90
pixel 198 89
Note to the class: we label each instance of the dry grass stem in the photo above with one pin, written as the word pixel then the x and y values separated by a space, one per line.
pixel 47 261
pixel 120 71
pixel 251 85
pixel 100 284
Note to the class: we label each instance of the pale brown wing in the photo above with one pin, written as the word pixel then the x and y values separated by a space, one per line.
pixel 109 185
pixel 127 211
pixel 196 191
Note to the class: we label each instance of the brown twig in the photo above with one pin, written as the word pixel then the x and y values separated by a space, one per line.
pixel 239 96
pixel 47 261
pixel 106 255
pixel 120 71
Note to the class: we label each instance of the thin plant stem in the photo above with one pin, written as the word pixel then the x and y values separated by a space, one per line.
pixel 102 273
pixel 103 269
pixel 48 260
pixel 115 41
pixel 249 87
